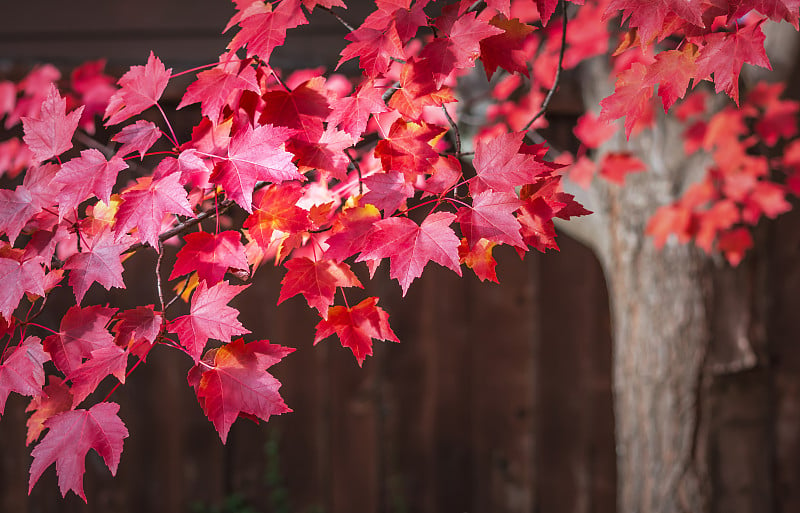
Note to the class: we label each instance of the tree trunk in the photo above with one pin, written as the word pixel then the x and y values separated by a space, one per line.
pixel 691 383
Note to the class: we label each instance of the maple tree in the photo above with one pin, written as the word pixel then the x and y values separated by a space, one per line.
pixel 330 171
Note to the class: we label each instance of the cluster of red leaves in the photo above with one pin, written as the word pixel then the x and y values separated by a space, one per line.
pixel 330 172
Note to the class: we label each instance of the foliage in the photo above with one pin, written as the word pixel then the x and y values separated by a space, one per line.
pixel 330 171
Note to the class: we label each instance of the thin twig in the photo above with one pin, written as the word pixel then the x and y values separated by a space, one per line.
pixel 455 129
pixel 90 142
pixel 358 170
pixel 158 276
pixel 339 18
pixel 552 90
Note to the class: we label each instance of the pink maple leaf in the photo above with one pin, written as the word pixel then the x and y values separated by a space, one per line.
pixel 49 134
pixel 209 317
pixel 140 89
pixel 72 434
pixel 210 255
pixel 410 246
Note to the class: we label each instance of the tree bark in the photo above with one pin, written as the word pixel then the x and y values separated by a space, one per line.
pixel 691 380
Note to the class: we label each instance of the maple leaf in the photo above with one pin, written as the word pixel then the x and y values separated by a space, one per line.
pixel 356 327
pixel 55 399
pixel 71 434
pixel 139 136
pixel 98 262
pixel 491 217
pixel 725 54
pixel 16 208
pixel 351 230
pixel 500 166
pixel 82 330
pixel 209 317
pixel 351 113
pixel 83 176
pixel 264 31
pixel 138 329
pixel 210 255
pixel 232 381
pixel 649 16
pixel 254 155
pixel 536 219
pixel 375 49
pixel 672 71
pixel 592 132
pixel 418 89
pixel 632 98
pixel 459 47
pixel 479 259
pixel 145 204
pixel 140 89
pixel 101 362
pixel 506 50
pixel 410 246
pixel 387 191
pixel 221 86
pixel 17 278
pixel 316 281
pixel 616 166
pixel 22 370
pixel 49 133
pixel 304 108
pixel 275 208
pixel 409 148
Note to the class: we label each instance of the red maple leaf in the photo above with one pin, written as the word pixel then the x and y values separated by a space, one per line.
pixel 22 370
pixel 147 202
pixel 98 262
pixel 506 50
pixel 724 54
pixel 107 360
pixel 408 148
pixel 479 259
pixel 418 90
pixel 459 46
pixel 491 217
pixel 501 166
pixel 49 133
pixel 83 176
pixel 221 86
pixel 304 108
pixel 55 399
pixel 350 231
pixel 375 49
pixel 387 191
pixel 672 71
pixel 137 329
pixel 649 16
pixel 139 136
pixel 351 113
pixel 17 278
pixel 209 317
pixel 592 132
pixel 536 219
pixel 71 434
pixel 632 98
pixel 410 246
pixel 275 208
pixel 140 89
pixel 316 281
pixel 254 155
pixel 356 327
pixel 232 381
pixel 616 166
pixel 265 31
pixel 210 255
pixel 82 331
